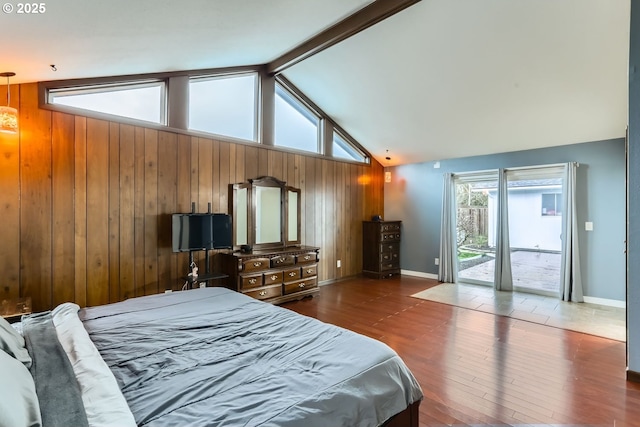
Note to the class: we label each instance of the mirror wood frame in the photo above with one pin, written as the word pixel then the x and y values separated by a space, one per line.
pixel 289 213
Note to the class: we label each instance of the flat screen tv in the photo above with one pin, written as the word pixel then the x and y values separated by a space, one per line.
pixel 197 231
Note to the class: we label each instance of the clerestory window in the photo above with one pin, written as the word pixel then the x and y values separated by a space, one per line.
pixel 139 100
pixel 344 149
pixel 296 125
pixel 227 104
pixel 224 105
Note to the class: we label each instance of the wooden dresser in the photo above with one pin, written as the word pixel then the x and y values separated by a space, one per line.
pixel 274 275
pixel 381 248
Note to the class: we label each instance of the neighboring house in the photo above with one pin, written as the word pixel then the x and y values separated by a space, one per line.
pixel 535 215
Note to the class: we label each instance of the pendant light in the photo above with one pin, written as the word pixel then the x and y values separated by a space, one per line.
pixel 8 115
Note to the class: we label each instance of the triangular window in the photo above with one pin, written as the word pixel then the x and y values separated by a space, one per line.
pixel 296 125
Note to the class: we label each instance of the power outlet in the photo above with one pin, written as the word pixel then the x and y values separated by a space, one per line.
pixel 338 263
pixel 203 284
pixel 436 261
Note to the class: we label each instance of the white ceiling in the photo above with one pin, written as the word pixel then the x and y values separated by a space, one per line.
pixel 441 79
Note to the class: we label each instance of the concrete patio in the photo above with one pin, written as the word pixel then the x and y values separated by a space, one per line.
pixel 531 270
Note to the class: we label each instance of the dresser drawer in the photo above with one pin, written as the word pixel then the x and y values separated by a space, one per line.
pixel 290 288
pixel 266 292
pixel 309 270
pixel 390 236
pixel 292 274
pixel 390 247
pixel 389 265
pixel 256 264
pixel 387 257
pixel 251 281
pixel 282 261
pixel 273 278
pixel 307 258
pixel 390 227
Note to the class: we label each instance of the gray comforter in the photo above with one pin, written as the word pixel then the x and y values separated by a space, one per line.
pixel 216 357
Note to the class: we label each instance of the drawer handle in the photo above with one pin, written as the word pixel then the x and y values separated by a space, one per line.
pixel 292 274
pixel 252 281
pixel 274 277
pixel 263 293
pixel 307 257
pixel 301 285
pixel 257 264
pixel 279 261
pixel 309 271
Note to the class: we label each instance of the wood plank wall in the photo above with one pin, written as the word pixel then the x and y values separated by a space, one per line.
pixel 86 203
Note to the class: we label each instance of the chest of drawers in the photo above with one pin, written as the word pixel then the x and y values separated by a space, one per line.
pixel 381 248
pixel 274 276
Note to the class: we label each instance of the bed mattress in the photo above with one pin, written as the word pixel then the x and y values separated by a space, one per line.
pixel 216 357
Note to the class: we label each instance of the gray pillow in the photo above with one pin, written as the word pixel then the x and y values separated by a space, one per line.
pixel 18 400
pixel 13 343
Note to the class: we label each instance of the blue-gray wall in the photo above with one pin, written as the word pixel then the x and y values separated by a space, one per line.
pixel 633 284
pixel 415 197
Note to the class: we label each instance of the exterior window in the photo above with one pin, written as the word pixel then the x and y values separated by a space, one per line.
pixel 296 126
pixel 224 105
pixel 551 204
pixel 141 101
pixel 345 150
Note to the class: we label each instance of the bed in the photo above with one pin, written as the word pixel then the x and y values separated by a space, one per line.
pixel 203 357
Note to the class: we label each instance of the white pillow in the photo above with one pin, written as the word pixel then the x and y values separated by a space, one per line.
pixel 13 343
pixel 19 406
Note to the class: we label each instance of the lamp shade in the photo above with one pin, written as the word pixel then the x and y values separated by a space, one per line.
pixel 8 120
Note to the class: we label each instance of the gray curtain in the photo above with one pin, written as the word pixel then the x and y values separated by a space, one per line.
pixel 570 280
pixel 503 280
pixel 447 271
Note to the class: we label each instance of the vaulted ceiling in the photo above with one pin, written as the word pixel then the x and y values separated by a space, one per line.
pixel 440 79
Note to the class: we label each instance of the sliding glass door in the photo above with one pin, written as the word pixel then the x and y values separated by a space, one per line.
pixel 475 227
pixel 534 200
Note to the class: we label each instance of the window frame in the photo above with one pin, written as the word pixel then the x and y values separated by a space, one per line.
pixel 175 108
pixel 557 201
pixel 256 101
pixel 302 105
pixel 352 145
pixel 106 87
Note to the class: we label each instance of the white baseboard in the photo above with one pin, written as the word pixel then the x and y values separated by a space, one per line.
pixel 419 274
pixel 604 301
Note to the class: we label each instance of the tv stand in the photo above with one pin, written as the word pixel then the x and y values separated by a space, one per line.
pixel 206 277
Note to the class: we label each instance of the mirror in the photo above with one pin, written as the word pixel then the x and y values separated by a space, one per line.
pixel 293 216
pixel 266 213
pixel 241 216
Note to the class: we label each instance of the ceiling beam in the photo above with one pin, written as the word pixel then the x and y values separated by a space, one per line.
pixel 353 24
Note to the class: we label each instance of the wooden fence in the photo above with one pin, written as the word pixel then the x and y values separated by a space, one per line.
pixel 472 222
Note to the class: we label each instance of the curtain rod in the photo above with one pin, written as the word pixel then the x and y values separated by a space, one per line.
pixel 490 171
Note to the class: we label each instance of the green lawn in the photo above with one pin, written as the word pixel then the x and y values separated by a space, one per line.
pixel 464 255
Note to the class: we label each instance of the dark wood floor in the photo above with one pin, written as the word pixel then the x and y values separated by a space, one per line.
pixel 477 368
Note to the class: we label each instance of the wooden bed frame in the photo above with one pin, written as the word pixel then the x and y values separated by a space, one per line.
pixel 406 418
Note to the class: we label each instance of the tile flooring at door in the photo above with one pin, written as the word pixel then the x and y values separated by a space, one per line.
pixel 594 319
